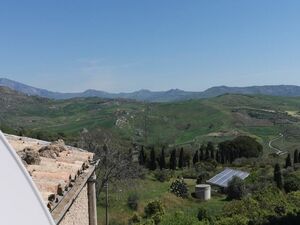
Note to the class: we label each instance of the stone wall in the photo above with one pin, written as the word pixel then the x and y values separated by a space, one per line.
pixel 78 214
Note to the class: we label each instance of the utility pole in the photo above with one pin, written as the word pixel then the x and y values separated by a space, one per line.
pixel 106 204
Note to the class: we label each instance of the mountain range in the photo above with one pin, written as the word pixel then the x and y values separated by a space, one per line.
pixel 157 96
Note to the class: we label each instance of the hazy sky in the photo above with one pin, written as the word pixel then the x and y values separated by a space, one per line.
pixel 126 45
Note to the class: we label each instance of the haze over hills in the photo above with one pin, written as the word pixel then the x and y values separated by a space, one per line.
pixel 157 96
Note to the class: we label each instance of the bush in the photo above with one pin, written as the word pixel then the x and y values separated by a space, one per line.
pixel 263 204
pixel 132 201
pixel 163 175
pixel 202 177
pixel 179 188
pixel 291 183
pixel 134 219
pixel 179 218
pixel 235 220
pixel 188 173
pixel 236 188
pixel 203 214
pixel 294 199
pixel 209 165
pixel 154 210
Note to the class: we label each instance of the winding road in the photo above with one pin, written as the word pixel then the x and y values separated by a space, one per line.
pixel 278 151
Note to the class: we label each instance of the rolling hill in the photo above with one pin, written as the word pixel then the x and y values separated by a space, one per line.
pixel 157 96
pixel 189 122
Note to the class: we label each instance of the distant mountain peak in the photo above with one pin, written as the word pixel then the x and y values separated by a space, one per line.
pixel 157 96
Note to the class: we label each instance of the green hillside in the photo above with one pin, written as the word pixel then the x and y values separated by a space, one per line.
pixel 182 123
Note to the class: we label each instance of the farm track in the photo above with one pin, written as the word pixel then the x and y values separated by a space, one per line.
pixel 271 146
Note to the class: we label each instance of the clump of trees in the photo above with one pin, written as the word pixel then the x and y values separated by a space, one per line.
pixel 242 146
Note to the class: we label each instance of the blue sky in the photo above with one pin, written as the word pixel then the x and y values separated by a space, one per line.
pixel 126 45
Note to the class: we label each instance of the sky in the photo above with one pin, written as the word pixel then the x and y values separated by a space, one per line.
pixel 127 45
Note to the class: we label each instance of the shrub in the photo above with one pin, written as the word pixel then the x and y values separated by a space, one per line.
pixel 291 183
pixel 179 188
pixel 163 175
pixel 154 210
pixel 236 188
pixel 135 219
pixel 203 214
pixel 202 177
pixel 294 199
pixel 188 173
pixel 263 204
pixel 132 201
pixel 209 165
pixel 235 220
pixel 179 218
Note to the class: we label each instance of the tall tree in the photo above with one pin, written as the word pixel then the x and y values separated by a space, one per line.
pixel 186 160
pixel 142 157
pixel 278 176
pixel 218 157
pixel 202 149
pixel 288 161
pixel 181 159
pixel 222 157
pixel 211 149
pixel 115 164
pixel 207 155
pixel 152 162
pixel 296 156
pixel 173 160
pixel 162 159
pixel 196 157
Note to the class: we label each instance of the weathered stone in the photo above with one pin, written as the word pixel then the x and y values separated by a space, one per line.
pixel 52 150
pixel 60 190
pixel 30 157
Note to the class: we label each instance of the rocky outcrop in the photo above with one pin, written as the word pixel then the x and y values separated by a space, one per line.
pixel 53 149
pixel 29 157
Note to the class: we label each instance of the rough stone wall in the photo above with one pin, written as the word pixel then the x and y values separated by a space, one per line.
pixel 78 214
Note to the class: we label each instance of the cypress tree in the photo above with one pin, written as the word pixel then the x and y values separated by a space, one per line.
pixel 202 148
pixel 173 160
pixel 296 155
pixel 207 156
pixel 162 160
pixel 222 157
pixel 181 159
pixel 278 176
pixel 288 161
pixel 196 157
pixel 218 157
pixel 211 149
pixel 152 162
pixel 212 154
pixel 142 157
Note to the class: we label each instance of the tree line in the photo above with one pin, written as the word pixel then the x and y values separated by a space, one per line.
pixel 226 152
